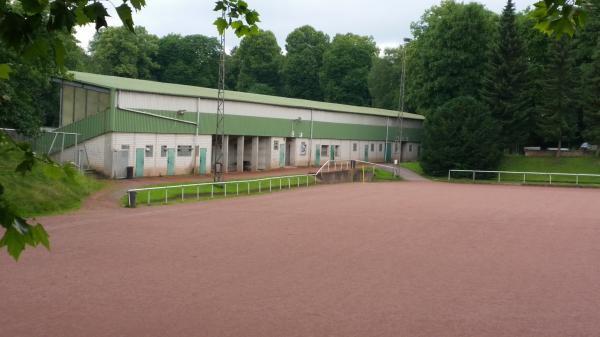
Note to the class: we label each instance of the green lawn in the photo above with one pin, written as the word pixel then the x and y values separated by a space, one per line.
pixel 176 193
pixel 414 166
pixel 37 193
pixel 226 190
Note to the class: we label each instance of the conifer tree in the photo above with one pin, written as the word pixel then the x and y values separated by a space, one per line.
pixel 505 83
pixel 558 111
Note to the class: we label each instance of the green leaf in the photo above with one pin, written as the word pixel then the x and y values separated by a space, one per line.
pixel 219 6
pixel 34 6
pixel 221 25
pixel 5 71
pixel 138 4
pixel 124 12
pixel 13 241
pixel 40 235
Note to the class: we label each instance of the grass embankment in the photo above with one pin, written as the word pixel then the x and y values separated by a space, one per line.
pixel 576 165
pixel 240 188
pixel 44 190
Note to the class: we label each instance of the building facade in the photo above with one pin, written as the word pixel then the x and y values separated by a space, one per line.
pixel 168 129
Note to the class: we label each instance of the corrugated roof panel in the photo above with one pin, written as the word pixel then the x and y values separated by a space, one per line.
pixel 122 83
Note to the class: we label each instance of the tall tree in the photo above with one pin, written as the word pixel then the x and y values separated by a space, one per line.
pixel 384 79
pixel 115 51
pixel 346 66
pixel 591 102
pixel 557 119
pixel 259 61
pixel 190 60
pixel 449 53
pixel 460 135
pixel 305 47
pixel 505 82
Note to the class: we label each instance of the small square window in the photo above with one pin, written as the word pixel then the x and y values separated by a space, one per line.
pixel 276 145
pixel 380 147
pixel 324 149
pixel 372 147
pixel 149 151
pixel 184 150
pixel 354 147
pixel 163 151
pixel 124 147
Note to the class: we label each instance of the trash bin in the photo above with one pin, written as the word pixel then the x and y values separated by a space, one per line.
pixel 132 198
pixel 129 172
pixel 395 161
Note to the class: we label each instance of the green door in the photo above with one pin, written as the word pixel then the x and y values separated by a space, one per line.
pixel 139 162
pixel 332 152
pixel 388 152
pixel 202 164
pixel 317 155
pixel 282 155
pixel 170 162
pixel 366 152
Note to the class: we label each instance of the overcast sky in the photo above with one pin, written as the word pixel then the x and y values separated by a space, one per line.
pixel 388 21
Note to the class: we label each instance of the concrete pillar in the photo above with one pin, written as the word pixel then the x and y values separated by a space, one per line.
pixel 240 154
pixel 226 154
pixel 254 157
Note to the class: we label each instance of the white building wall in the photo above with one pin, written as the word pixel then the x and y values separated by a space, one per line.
pixel 157 164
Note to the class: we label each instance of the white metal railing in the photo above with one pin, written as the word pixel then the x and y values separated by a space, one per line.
pixel 524 174
pixel 386 167
pixel 341 164
pixel 132 193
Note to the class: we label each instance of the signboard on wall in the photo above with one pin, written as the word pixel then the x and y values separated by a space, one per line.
pixel 303 148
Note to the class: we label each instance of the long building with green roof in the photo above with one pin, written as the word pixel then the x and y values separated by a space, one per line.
pixel 169 129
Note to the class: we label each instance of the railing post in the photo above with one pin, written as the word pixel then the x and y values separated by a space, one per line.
pixel 166 196
pixel 449 175
pixel 237 188
pixel 473 176
pixel 577 179
pixel 225 189
pixel 149 197
pixel 298 181
pixel 524 179
pixel 182 194
pixel 550 175
pixel 248 187
pixel 270 184
pixel 212 190
pixel 259 186
pixel 280 183
pixel 197 192
pixel 132 199
pixel 289 184
pixel 499 174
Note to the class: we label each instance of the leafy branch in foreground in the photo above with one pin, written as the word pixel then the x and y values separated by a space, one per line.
pixel 238 16
pixel 19 233
pixel 560 17
pixel 22 21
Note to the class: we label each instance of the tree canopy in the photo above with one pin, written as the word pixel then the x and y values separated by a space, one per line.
pixel 259 62
pixel 346 66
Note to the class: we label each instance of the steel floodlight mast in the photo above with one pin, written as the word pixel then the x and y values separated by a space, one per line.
pixel 218 152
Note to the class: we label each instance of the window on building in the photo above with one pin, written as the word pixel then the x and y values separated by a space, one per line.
pixel 276 145
pixel 80 104
pixel 380 147
pixel 303 148
pixel 67 105
pixel 337 151
pixel 372 147
pixel 354 147
pixel 324 150
pixel 395 147
pixel 409 147
pixel 184 150
pixel 92 103
pixel 149 151
pixel 103 101
pixel 124 147
pixel 163 150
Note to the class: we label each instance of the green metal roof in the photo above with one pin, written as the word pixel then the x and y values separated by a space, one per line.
pixel 122 83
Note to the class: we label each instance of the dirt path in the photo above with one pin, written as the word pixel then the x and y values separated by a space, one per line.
pixel 387 259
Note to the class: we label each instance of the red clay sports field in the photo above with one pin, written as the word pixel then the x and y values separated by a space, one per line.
pixel 382 259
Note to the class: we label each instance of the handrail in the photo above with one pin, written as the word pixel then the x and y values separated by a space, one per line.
pixel 216 183
pixel 525 174
pixel 380 165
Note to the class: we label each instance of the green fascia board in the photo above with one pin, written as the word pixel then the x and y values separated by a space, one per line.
pixel 129 84
pixel 256 126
